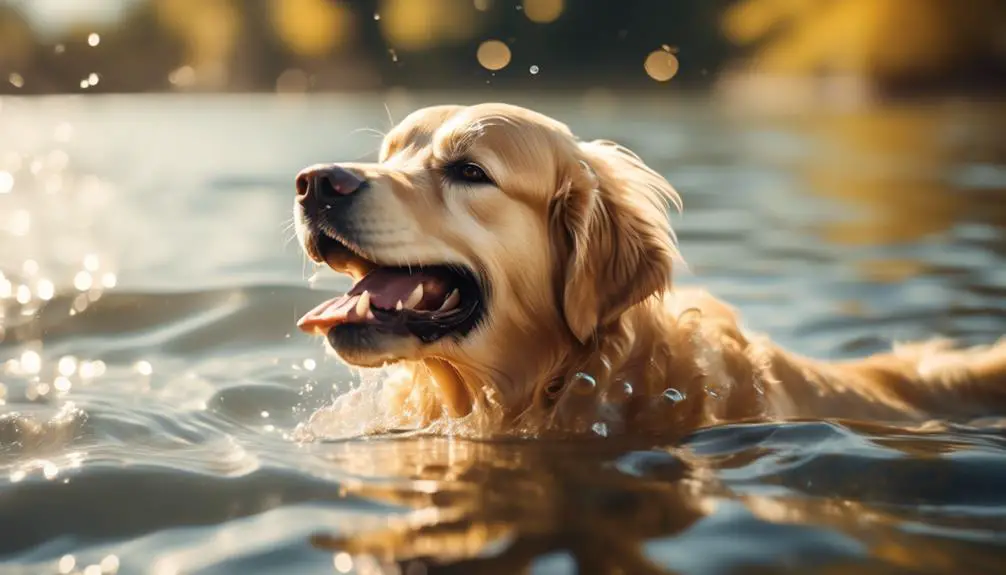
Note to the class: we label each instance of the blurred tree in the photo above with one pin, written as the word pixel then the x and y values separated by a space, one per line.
pixel 209 30
pixel 881 39
pixel 16 42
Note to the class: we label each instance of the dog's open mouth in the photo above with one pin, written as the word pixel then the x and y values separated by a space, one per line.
pixel 426 301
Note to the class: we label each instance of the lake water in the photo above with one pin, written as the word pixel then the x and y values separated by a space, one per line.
pixel 151 375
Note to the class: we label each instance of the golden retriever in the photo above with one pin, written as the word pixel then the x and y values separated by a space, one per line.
pixel 520 280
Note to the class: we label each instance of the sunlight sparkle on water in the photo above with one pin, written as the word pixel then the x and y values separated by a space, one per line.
pixel 67 365
pixel 93 39
pixel 66 564
pixel 19 222
pixel 109 564
pixel 343 562
pixel 23 294
pixel 62 384
pixel 92 369
pixel 45 290
pixel 83 281
pixel 91 262
pixel 31 362
pixel 144 367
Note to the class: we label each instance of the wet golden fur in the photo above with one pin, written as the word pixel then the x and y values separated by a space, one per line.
pixel 576 246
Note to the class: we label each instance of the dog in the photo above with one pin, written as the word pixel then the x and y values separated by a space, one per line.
pixel 519 279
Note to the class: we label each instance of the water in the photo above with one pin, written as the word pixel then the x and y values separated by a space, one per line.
pixel 151 374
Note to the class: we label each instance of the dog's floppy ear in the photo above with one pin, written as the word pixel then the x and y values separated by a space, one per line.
pixel 610 217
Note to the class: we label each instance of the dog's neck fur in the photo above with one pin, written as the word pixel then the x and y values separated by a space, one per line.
pixel 687 345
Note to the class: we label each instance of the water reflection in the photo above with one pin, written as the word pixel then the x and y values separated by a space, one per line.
pixel 610 506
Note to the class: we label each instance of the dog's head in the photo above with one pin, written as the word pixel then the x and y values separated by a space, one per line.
pixel 480 231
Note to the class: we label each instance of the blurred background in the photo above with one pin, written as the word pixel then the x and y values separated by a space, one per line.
pixel 865 47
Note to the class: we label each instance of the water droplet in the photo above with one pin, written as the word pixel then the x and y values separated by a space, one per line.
pixel 108 280
pixel 66 564
pixel 534 69
pixel 674 395
pixel 712 393
pixel 310 364
pixel 394 55
pixel 59 48
pixel 84 84
pixel 377 16
pixel 16 80
pixel 6 182
pixel 265 414
pixel 627 388
pixel 600 428
pixel 583 382
pixel 93 39
pixel 92 79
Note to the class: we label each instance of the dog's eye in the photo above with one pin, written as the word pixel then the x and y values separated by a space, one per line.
pixel 469 172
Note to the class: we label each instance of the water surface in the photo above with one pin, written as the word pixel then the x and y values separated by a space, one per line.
pixel 151 375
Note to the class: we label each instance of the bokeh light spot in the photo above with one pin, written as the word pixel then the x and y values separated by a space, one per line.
pixel 543 11
pixel 661 65
pixel 493 55
pixel 6 182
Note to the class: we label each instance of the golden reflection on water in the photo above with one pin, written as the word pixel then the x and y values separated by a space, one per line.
pixel 497 507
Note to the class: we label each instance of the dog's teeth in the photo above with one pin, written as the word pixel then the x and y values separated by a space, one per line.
pixel 415 297
pixel 451 302
pixel 370 314
pixel 399 306
pixel 363 304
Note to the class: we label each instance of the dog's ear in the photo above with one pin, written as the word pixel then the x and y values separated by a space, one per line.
pixel 617 246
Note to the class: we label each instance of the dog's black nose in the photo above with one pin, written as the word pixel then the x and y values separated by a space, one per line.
pixel 327 183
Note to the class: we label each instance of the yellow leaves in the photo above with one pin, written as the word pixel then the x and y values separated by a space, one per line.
pixel 311 27
pixel 868 37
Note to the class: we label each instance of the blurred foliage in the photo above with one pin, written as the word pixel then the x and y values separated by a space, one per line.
pixel 349 45
pixel 886 39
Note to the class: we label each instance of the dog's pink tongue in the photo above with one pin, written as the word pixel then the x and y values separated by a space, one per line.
pixel 329 314
pixel 386 287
